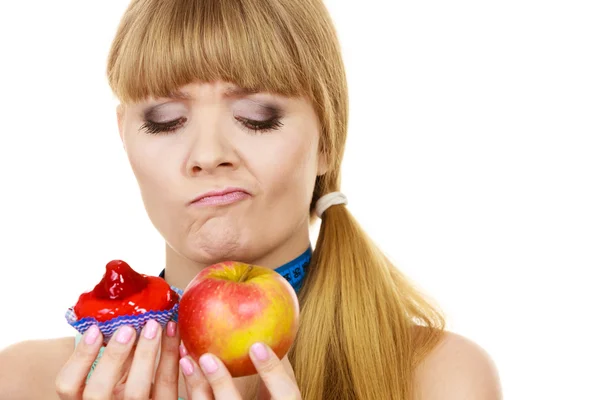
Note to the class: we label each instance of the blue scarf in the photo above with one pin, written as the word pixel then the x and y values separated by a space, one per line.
pixel 294 271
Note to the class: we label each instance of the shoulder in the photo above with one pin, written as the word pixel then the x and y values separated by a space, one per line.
pixel 457 368
pixel 28 369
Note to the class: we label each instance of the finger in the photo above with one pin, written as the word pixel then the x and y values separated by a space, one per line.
pixel 219 378
pixel 70 381
pixel 167 375
pixel 140 375
pixel 196 385
pixel 272 372
pixel 110 366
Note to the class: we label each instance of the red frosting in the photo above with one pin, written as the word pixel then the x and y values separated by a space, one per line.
pixel 122 291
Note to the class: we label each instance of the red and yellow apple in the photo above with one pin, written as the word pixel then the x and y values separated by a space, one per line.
pixel 231 305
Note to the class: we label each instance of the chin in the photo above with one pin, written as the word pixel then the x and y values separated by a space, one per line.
pixel 215 240
pixel 214 251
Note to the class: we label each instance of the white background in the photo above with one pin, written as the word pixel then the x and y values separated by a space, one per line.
pixel 472 160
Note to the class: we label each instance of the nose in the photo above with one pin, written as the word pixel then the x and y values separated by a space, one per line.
pixel 211 149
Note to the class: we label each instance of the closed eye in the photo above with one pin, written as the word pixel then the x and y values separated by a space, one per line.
pixel 260 126
pixel 163 127
pixel 253 126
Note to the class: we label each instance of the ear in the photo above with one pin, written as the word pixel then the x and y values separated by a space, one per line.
pixel 120 117
pixel 322 166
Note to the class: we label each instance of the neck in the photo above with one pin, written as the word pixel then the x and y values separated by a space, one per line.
pixel 179 270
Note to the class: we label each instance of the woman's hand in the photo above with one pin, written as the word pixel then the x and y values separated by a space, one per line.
pixel 121 373
pixel 213 381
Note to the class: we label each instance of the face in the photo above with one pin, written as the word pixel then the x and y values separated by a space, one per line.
pixel 260 147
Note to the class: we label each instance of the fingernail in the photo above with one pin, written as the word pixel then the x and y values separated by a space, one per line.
pixel 125 334
pixel 182 351
pixel 208 363
pixel 186 366
pixel 92 334
pixel 171 328
pixel 260 351
pixel 150 329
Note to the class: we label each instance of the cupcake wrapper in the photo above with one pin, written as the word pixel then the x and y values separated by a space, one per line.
pixel 108 328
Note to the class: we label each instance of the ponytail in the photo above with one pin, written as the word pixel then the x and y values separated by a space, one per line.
pixel 359 335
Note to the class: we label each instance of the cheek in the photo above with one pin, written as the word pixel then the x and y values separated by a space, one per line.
pixel 151 171
pixel 290 171
pixel 149 167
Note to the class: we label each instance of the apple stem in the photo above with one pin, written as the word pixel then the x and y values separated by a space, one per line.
pixel 245 274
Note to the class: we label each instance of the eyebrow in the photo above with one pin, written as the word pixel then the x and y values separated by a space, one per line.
pixel 234 91
pixel 179 95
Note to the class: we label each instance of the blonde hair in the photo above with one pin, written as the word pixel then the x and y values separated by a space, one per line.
pixel 363 326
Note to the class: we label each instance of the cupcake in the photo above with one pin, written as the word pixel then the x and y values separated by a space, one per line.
pixel 124 297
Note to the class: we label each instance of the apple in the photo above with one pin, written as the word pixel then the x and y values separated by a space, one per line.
pixel 231 305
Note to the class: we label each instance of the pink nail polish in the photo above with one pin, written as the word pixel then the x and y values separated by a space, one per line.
pixel 150 329
pixel 171 328
pixel 125 334
pixel 186 366
pixel 92 334
pixel 182 351
pixel 260 351
pixel 208 363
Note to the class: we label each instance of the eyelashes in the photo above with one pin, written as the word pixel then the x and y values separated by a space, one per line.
pixel 251 126
pixel 163 127
pixel 254 126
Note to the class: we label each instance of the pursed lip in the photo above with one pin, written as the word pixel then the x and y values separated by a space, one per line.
pixel 221 192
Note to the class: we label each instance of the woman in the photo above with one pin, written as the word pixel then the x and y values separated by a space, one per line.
pixel 233 115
